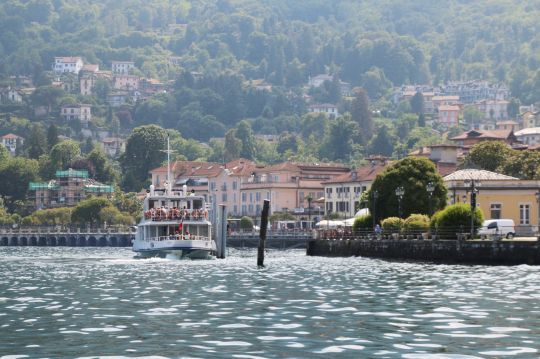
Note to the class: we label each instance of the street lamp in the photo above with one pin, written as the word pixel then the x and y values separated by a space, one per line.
pixel 537 194
pixel 375 195
pixel 309 199
pixel 473 188
pixel 430 188
pixel 400 191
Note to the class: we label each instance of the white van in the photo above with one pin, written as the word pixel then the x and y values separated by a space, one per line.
pixel 497 227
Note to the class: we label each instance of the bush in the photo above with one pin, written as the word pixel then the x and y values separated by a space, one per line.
pixel 246 223
pixel 362 223
pixel 456 218
pixel 416 223
pixel 392 224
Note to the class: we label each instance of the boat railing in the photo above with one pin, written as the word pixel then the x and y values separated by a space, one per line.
pixel 162 214
pixel 178 237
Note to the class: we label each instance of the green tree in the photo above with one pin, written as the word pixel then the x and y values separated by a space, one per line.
pixel 4 154
pixel 144 151
pixel 472 116
pixel 413 174
pixel 52 136
pixel 103 169
pixel 417 103
pixel 361 114
pixel 36 143
pixel 88 211
pixel 246 137
pixel 455 219
pixel 63 153
pixel 246 223
pixel 338 140
pixel 287 142
pixel 47 96
pixel 15 177
pixel 382 143
pixel 488 155
pixel 522 164
pixel 233 146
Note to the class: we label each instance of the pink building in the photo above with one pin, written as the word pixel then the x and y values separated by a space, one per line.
pixel 126 82
pixel 448 115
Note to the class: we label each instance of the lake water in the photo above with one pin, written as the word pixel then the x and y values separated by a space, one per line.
pixel 100 302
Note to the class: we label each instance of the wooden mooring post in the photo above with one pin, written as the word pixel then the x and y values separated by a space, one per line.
pixel 262 233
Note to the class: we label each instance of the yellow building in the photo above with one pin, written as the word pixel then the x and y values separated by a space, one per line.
pixel 498 196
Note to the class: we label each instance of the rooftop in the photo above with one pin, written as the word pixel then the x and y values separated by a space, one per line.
pixel 477 175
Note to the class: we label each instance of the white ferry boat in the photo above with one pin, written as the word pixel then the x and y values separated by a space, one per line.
pixel 174 224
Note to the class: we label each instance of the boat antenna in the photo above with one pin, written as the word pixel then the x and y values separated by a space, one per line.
pixel 168 152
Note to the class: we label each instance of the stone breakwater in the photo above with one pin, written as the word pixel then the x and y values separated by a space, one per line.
pixel 439 251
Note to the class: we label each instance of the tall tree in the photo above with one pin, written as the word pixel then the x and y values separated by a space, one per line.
pixel 36 144
pixel 52 135
pixel 418 104
pixel 15 177
pixel 245 135
pixel 64 153
pixel 488 155
pixel 233 146
pixel 361 114
pixel 413 174
pixel 144 151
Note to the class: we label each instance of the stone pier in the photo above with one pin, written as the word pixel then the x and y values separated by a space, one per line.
pixel 67 239
pixel 440 251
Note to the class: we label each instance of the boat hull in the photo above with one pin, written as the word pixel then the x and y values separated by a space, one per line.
pixel 189 249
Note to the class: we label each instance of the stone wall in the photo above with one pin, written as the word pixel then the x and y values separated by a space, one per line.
pixel 443 251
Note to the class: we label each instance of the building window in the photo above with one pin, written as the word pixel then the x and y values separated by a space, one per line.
pixel 244 196
pixel 258 197
pixel 243 210
pixel 235 210
pixel 224 197
pixel 329 206
pixel 234 185
pixel 524 214
pixel 251 198
pixel 495 211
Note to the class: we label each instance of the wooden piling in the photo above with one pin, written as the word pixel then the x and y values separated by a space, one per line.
pixel 262 233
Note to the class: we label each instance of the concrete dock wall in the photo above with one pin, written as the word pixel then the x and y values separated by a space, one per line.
pixel 66 239
pixel 442 251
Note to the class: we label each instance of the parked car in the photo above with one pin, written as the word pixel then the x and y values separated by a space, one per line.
pixel 497 227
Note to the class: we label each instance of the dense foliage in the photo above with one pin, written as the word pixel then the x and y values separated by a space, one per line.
pixel 413 175
pixel 372 43
pixel 456 219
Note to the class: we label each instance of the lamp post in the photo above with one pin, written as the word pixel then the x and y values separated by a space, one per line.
pixel 537 194
pixel 400 191
pixel 375 195
pixel 309 199
pixel 430 188
pixel 473 188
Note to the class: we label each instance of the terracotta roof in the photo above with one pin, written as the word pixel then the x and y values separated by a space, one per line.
pixel 192 168
pixel 364 173
pixel 90 67
pixel 477 175
pixel 11 135
pixel 492 134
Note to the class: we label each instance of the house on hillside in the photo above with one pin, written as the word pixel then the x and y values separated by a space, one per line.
pixel 11 142
pixel 448 115
pixel 113 146
pixel 122 67
pixel 68 64
pixel 78 112
pixel 126 82
pixel 326 108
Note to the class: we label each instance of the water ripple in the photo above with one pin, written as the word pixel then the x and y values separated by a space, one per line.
pixel 100 302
